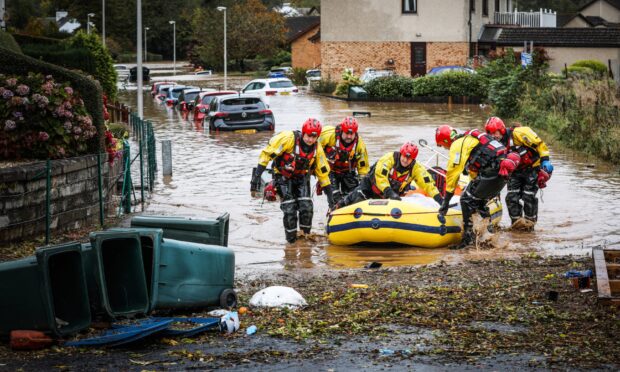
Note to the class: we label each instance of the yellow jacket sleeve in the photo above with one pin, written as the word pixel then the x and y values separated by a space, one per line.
pixel 321 168
pixel 328 136
pixel 382 171
pixel 278 144
pixel 424 180
pixel 460 150
pixel 361 154
pixel 525 136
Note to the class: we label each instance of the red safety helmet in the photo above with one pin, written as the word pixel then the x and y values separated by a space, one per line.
pixel 444 135
pixel 409 150
pixel 495 124
pixel 348 125
pixel 311 127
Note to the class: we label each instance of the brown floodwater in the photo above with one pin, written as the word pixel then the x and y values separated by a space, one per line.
pixel 211 175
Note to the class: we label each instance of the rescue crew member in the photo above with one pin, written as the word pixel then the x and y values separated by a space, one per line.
pixel 390 177
pixel 532 173
pixel 295 156
pixel 346 154
pixel 488 163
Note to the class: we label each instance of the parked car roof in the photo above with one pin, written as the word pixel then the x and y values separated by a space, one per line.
pixel 444 69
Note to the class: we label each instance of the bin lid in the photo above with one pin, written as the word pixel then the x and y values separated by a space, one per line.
pixel 201 325
pixel 124 334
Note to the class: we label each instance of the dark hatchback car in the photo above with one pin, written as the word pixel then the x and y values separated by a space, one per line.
pixel 240 112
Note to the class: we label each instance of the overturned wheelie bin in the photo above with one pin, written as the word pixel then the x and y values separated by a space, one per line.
pixel 46 292
pixel 115 274
pixel 182 274
pixel 204 231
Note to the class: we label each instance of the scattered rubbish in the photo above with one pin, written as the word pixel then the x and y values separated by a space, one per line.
pixel 386 352
pixel 552 295
pixel 277 296
pixel 359 285
pixel 586 290
pixel 242 310
pixel 188 327
pixel 251 330
pixel 373 265
pixel 578 274
pixel 218 313
pixel 229 323
pixel 537 303
pixel 390 352
pixel 29 340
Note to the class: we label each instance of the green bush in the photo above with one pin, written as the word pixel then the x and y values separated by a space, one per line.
pixel 119 130
pixel 73 58
pixel 325 85
pixel 348 80
pixel 390 87
pixel 450 84
pixel 41 119
pixel 104 65
pixel 12 63
pixel 580 71
pixel 299 76
pixel 7 41
pixel 597 66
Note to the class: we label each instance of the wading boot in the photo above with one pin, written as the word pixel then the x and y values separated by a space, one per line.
pixel 467 241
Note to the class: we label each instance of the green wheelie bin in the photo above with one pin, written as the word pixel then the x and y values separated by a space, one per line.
pixel 183 274
pixel 204 231
pixel 45 292
pixel 115 274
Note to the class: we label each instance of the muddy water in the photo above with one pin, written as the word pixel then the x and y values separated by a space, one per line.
pixel 211 175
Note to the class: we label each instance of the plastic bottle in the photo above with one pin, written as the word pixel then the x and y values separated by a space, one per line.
pixel 578 274
pixel 251 330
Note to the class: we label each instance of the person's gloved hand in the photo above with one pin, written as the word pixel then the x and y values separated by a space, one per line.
pixel 543 177
pixel 438 199
pixel 255 182
pixel 389 193
pixel 329 192
pixel 443 209
pixel 509 164
pixel 547 166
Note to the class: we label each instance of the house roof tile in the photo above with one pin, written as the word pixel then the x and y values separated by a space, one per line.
pixel 297 26
pixel 548 36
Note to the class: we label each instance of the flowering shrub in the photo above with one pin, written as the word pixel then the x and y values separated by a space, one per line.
pixel 40 118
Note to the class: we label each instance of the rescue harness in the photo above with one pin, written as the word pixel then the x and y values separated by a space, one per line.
pixel 298 163
pixel 395 180
pixel 342 157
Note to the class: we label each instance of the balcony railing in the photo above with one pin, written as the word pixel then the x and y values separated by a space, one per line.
pixel 542 18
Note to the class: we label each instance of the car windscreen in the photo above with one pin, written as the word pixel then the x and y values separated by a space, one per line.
pixel 281 84
pixel 242 103
pixel 314 74
pixel 190 96
pixel 176 93
pixel 207 99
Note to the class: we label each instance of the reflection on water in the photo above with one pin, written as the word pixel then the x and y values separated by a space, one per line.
pixel 211 175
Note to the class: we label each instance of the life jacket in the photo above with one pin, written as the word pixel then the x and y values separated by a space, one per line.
pixel 487 154
pixel 295 164
pixel 395 181
pixel 342 157
pixel 528 155
pixel 440 181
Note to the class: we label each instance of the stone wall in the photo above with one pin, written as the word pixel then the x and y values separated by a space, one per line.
pixel 446 54
pixel 305 53
pixel 336 56
pixel 74 196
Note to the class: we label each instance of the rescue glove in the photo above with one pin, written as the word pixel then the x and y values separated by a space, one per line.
pixel 509 164
pixel 543 177
pixel 438 199
pixel 329 192
pixel 445 205
pixel 256 176
pixel 389 193
pixel 547 166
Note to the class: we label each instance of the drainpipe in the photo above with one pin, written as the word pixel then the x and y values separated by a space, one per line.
pixel 469 24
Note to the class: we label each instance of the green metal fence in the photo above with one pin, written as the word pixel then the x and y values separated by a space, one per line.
pixel 42 196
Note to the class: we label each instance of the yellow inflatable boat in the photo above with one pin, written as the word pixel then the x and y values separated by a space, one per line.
pixel 411 221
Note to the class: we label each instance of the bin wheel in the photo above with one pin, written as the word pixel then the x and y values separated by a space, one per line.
pixel 228 298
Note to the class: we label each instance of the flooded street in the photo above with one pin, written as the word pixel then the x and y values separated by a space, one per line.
pixel 211 175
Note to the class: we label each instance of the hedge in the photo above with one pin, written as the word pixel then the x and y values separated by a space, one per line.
pixel 90 90
pixel 7 41
pixel 30 39
pixel 597 66
pixel 390 87
pixel 450 84
pixel 73 58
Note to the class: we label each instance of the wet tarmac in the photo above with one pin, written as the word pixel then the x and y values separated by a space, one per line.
pixel 211 175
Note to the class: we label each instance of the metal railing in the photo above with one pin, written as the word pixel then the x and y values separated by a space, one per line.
pixel 541 18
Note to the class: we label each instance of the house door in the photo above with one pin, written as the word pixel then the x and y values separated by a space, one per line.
pixel 418 59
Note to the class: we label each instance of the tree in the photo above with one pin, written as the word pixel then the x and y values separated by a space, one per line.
pixel 252 29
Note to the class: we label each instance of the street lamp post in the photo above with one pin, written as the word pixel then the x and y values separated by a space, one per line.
pixel 103 22
pixel 88 22
pixel 174 46
pixel 223 9
pixel 145 52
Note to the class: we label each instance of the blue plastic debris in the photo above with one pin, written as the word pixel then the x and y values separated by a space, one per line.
pixel 386 352
pixel 202 324
pixel 251 330
pixel 578 274
pixel 124 334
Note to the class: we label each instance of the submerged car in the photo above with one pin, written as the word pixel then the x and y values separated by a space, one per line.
pixel 313 75
pixel 240 112
pixel 280 72
pixel 187 97
pixel 203 100
pixel 271 87
pixel 445 69
pixel 371 74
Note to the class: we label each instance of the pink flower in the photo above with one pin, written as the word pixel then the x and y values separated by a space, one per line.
pixel 69 90
pixel 22 89
pixel 68 126
pixel 9 125
pixel 43 136
pixel 11 82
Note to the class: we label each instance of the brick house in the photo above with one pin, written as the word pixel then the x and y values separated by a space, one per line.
pixel 407 36
pixel 304 38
